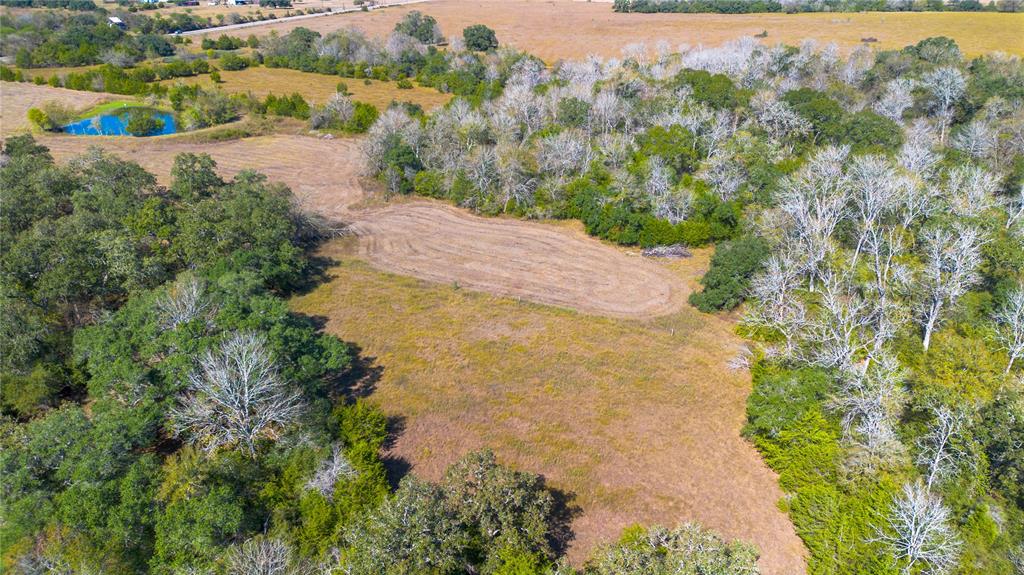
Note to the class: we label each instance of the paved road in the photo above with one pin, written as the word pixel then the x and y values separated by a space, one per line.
pixel 333 12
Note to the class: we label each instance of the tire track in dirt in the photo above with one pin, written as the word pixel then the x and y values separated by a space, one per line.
pixel 429 240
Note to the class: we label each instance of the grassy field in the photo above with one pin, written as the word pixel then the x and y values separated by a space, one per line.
pixel 16 98
pixel 554 29
pixel 639 420
pixel 317 88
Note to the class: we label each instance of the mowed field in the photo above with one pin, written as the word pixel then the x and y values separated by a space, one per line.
pixel 639 421
pixel 317 88
pixel 560 29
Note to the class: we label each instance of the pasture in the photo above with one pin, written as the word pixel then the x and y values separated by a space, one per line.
pixel 638 420
pixel 316 88
pixel 563 29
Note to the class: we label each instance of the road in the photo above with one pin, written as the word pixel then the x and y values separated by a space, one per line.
pixel 333 12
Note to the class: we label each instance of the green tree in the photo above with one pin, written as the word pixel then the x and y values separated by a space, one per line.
pixel 480 38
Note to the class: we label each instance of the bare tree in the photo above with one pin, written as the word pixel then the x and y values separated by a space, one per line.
pixel 393 123
pixel 918 153
pixel 840 333
pixel 334 467
pixel 873 191
pixel 1009 320
pixel 946 86
pixel 951 259
pixel 515 183
pixel 813 203
pixel 940 451
pixel 920 534
pixel 857 65
pixel 563 154
pixel 776 306
pixel 917 200
pixel 262 556
pixel 970 190
pixel 607 111
pixel 871 404
pixel 725 175
pixel 236 397
pixel 776 118
pixel 184 301
pixel 897 98
pixel 977 139
pixel 1014 205
pixel 338 110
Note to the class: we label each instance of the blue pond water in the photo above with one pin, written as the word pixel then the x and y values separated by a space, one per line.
pixel 114 125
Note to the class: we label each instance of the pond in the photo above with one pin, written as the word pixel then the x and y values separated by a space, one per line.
pixel 116 124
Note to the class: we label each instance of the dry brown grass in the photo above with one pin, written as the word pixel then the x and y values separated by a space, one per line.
pixel 16 99
pixel 317 88
pixel 554 29
pixel 639 420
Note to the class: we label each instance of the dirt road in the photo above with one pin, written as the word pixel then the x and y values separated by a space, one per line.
pixel 536 261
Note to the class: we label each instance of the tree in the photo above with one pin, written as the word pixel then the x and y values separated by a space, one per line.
pixel 871 404
pixel 941 448
pixel 920 533
pixel 950 263
pixel 334 467
pixel 420 26
pixel 480 38
pixel 506 508
pixel 411 532
pixel 236 397
pixel 897 98
pixel 688 548
pixel 945 85
pixel 1009 320
pixel 261 556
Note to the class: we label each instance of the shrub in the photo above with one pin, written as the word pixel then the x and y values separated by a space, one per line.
pixel 728 279
pixel 231 62
pixel 404 84
pixel 40 119
pixel 363 117
pixel 143 123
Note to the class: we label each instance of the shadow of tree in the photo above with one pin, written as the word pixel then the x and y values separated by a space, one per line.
pixel 563 513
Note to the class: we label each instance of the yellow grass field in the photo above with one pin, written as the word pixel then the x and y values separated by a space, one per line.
pixel 317 88
pixel 638 420
pixel 556 29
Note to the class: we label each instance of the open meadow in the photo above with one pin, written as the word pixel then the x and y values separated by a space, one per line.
pixel 638 420
pixel 316 88
pixel 564 29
